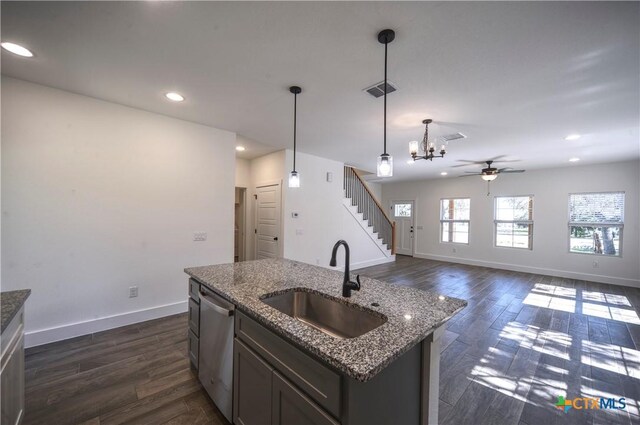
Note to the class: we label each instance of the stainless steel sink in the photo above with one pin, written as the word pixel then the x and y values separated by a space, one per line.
pixel 325 313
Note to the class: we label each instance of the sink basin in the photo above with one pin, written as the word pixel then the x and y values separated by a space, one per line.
pixel 324 313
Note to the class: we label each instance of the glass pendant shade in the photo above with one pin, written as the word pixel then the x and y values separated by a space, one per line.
pixel 489 177
pixel 294 179
pixel 385 165
pixel 413 147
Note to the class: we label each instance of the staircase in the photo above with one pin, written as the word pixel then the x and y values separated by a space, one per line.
pixel 366 207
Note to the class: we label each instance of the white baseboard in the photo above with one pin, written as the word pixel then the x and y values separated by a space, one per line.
pixel 634 283
pixel 369 263
pixel 59 333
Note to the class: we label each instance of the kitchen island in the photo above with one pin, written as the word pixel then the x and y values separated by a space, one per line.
pixel 386 375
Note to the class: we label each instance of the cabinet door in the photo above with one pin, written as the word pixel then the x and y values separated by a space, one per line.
pixel 291 407
pixel 13 384
pixel 194 317
pixel 251 387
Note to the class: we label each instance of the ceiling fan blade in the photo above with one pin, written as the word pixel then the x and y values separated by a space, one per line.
pixel 471 161
pixel 469 175
pixel 512 171
pixel 473 172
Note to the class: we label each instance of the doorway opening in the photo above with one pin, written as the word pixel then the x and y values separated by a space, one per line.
pixel 403 214
pixel 239 225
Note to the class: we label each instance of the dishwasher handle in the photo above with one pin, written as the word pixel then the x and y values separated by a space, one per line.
pixel 215 307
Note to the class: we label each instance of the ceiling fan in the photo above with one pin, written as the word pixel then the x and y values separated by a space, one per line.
pixel 491 173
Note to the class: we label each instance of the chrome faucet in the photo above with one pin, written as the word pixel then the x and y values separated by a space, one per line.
pixel 347 284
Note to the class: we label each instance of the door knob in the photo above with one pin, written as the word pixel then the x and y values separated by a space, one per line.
pixel 275 239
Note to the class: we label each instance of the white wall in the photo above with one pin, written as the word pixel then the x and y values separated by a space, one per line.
pixel 243 172
pixel 323 219
pixel 550 188
pixel 98 197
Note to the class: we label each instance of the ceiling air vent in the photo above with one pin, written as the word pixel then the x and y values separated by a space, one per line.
pixel 377 90
pixel 455 136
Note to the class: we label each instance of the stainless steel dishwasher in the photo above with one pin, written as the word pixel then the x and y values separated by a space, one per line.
pixel 216 350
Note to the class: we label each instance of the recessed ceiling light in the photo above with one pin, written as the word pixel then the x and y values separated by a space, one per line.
pixel 240 148
pixel 410 161
pixel 444 173
pixel 574 159
pixel 17 49
pixel 572 137
pixel 176 97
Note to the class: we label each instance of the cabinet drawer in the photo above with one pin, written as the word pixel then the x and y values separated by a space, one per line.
pixel 319 382
pixel 194 290
pixel 194 344
pixel 194 317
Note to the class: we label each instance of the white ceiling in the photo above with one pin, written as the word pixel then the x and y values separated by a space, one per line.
pixel 516 77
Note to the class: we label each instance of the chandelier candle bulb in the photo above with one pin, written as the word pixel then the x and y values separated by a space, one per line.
pixel 413 147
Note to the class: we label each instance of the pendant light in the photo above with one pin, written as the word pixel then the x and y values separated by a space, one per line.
pixel 294 177
pixel 385 161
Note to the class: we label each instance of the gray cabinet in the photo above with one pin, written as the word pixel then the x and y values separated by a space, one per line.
pixel 12 372
pixel 290 406
pixel 252 379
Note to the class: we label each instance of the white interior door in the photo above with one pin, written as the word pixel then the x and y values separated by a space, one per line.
pixel 403 212
pixel 268 236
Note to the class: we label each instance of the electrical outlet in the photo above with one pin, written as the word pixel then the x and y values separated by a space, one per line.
pixel 317 261
pixel 199 236
pixel 133 291
pixel 596 265
pixel 454 250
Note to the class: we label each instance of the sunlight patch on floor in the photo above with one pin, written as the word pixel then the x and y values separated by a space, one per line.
pixel 611 313
pixel 611 357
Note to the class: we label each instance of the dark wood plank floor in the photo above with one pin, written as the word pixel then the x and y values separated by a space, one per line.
pixel 522 341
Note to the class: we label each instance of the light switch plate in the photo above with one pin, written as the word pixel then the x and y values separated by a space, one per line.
pixel 133 291
pixel 299 232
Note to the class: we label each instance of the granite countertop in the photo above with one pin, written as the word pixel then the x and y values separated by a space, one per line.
pixel 11 301
pixel 412 314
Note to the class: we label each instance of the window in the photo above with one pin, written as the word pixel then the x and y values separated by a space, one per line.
pixel 514 221
pixel 595 223
pixel 402 210
pixel 454 220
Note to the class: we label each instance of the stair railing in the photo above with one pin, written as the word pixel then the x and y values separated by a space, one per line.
pixel 368 205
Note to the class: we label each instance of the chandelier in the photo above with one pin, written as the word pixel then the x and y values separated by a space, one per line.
pixel 428 148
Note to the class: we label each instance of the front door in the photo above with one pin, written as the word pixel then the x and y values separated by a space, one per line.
pixel 268 221
pixel 403 212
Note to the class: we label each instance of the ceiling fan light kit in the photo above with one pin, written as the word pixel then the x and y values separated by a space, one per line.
pixel 385 161
pixel 428 148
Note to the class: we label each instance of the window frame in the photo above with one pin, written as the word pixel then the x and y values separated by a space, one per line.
pixel 451 221
pixel 529 222
pixel 596 224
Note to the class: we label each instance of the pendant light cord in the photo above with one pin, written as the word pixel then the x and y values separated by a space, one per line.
pixel 385 97
pixel 295 120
